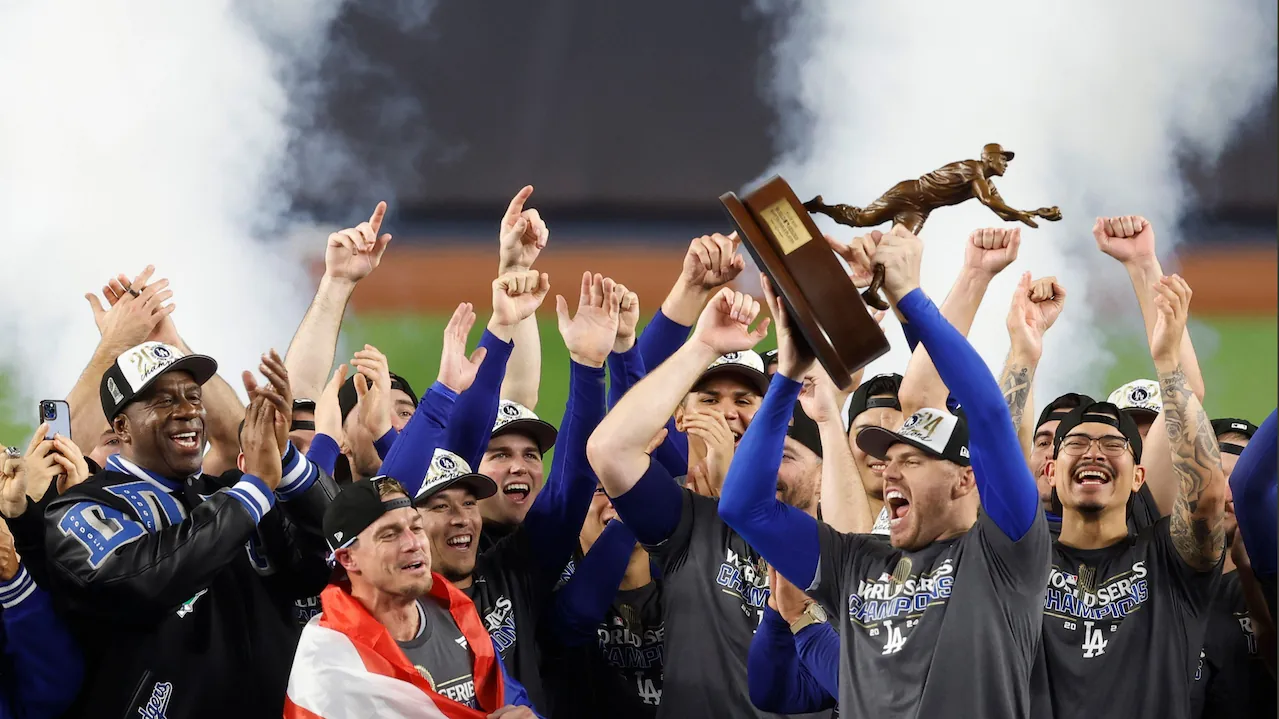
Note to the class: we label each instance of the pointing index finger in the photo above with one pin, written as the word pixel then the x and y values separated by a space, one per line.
pixel 375 220
pixel 517 203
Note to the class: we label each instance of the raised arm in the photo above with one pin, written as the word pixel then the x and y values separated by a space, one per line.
pixel 581 604
pixel 1198 516
pixel 129 321
pixel 516 296
pixel 554 520
pixel 784 536
pixel 625 363
pixel 1035 307
pixel 410 457
pixel 986 254
pixel 1131 240
pixel 1007 490
pixel 522 236
pixel 349 257
pixel 617 449
pixel 843 497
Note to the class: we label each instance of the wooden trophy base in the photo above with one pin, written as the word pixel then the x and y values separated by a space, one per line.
pixel 820 300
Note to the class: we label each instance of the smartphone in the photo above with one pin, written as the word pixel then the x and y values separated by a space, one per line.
pixel 57 413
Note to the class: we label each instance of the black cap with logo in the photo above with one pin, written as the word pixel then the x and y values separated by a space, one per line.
pixel 1103 413
pixel 357 506
pixel 1232 425
pixel 1060 407
pixel 878 391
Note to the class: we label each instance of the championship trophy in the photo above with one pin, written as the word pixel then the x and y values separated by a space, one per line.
pixel 819 297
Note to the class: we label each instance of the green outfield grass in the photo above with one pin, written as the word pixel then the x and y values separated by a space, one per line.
pixel 1238 356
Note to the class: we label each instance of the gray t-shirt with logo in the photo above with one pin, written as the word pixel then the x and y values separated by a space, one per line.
pixel 441 654
pixel 950 630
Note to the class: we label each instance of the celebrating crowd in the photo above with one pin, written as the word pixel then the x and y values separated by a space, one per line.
pixel 718 533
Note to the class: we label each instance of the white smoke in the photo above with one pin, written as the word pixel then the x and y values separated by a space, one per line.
pixel 1099 100
pixel 150 132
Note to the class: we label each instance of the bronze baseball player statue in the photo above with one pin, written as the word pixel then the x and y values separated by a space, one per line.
pixel 911 201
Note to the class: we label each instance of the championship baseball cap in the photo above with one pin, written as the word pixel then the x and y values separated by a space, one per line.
pixel 1060 407
pixel 746 366
pixel 348 397
pixel 448 470
pixel 358 505
pixel 1140 398
pixel 864 397
pixel 937 432
pixel 515 418
pixel 1232 425
pixel 1107 413
pixel 137 368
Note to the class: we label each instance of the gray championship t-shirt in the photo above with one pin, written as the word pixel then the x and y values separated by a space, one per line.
pixel 1231 679
pixel 441 655
pixel 1122 628
pixel 714 589
pixel 950 630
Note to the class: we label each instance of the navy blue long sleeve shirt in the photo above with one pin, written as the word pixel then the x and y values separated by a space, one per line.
pixel 779 681
pixel 45 665
pixel 1254 485
pixel 410 457
pixel 475 411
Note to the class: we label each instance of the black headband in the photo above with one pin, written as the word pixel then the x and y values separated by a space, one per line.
pixel 397 503
pixel 302 424
pixel 1230 448
pixel 874 402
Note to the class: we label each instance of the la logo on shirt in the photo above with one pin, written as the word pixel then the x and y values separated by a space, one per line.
pixel 1095 610
pixel 888 609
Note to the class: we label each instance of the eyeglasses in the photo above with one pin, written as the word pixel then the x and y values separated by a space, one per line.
pixel 1077 444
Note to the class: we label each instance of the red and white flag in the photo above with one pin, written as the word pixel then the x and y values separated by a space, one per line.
pixel 347 665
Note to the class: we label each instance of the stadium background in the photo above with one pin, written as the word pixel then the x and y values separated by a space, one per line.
pixel 608 124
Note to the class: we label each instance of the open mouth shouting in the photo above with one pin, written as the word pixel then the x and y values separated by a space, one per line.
pixel 898 506
pixel 417 567
pixel 517 491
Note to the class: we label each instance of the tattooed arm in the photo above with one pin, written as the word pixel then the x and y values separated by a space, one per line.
pixel 1015 383
pixel 1197 526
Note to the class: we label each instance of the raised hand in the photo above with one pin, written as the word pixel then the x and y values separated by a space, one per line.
pixel 794 357
pixel 992 249
pixel 353 253
pixel 860 255
pixel 628 319
pixel 1129 239
pixel 457 371
pixel 373 388
pixel 328 410
pixel 712 261
pixel 118 287
pixel 1035 307
pixel 276 391
pixel 1172 302
pixel 900 252
pixel 517 295
pixel 522 235
pixel 785 598
pixel 590 334
pixel 713 431
pixel 724 325
pixel 818 396
pixel 131 319
pixel 70 460
pixel 259 442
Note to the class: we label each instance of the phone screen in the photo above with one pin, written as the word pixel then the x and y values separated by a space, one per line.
pixel 57 413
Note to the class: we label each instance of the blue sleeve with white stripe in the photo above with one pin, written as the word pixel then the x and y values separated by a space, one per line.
pixel 1008 492
pixel 299 473
pixel 45 666
pixel 142 554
